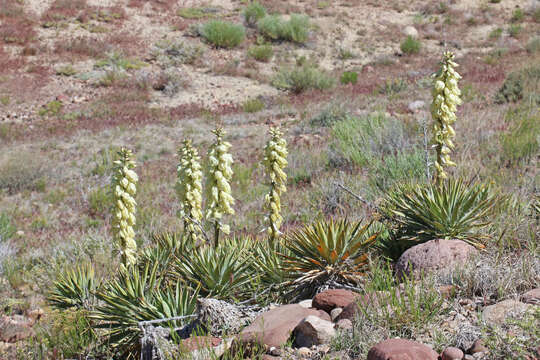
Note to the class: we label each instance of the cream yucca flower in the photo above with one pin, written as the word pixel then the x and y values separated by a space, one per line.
pixel 220 200
pixel 124 186
pixel 446 98
pixel 189 189
pixel 275 160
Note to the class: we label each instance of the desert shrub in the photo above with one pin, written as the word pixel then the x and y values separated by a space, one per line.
pixel 453 210
pixel 514 30
pixel 392 169
pixel 22 171
pixel 296 29
pixel 302 78
pixel 7 230
pixel 253 106
pixel 197 12
pixel 52 108
pixel 66 70
pixel 392 87
pixel 254 12
pixel 520 84
pixel 329 115
pixel 170 81
pixel 410 45
pixel 517 15
pixel 521 142
pixel 223 34
pixel 261 53
pixel 324 253
pixel 349 77
pixel 536 14
pixel 533 46
pixel 495 34
pixel 173 53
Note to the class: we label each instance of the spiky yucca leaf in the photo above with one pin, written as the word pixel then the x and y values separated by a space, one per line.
pixel 137 295
pixel 327 251
pixel 222 272
pixel 452 210
pixel 268 257
pixel 75 288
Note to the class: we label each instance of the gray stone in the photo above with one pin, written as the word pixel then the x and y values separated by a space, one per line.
pixel 499 312
pixel 410 31
pixel 313 331
pixel 531 297
pixel 335 313
pixel 416 105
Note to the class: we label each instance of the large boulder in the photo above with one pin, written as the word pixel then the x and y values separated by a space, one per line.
pixel 274 327
pixel 313 331
pixel 350 311
pixel 401 349
pixel 499 312
pixel 334 298
pixel 433 255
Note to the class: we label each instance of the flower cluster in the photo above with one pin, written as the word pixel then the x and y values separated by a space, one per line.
pixel 124 185
pixel 446 98
pixel 189 189
pixel 275 160
pixel 220 200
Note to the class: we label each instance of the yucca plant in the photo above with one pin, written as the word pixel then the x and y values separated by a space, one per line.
pixel 327 251
pixel 124 188
pixel 75 288
pixel 452 210
pixel 137 295
pixel 221 272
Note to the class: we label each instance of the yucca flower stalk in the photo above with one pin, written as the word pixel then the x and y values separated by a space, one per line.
pixel 446 98
pixel 124 188
pixel 220 200
pixel 275 160
pixel 189 190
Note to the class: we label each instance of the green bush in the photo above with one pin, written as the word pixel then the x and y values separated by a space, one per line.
pixel 302 78
pixel 261 53
pixel 521 84
pixel 253 106
pixel 454 210
pixel 330 115
pixel 410 45
pixel 7 230
pixel 495 34
pixel 20 172
pixel 296 29
pixel 514 30
pixel 349 77
pixel 223 34
pixel 521 142
pixel 533 46
pixel 517 15
pixel 254 12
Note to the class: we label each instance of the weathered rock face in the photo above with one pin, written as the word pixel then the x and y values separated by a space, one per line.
pixel 334 298
pixel 433 255
pixel 401 349
pixel 219 317
pixel 531 297
pixel 274 327
pixel 313 331
pixel 499 312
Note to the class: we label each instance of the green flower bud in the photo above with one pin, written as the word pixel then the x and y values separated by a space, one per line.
pixel 124 214
pixel 275 160
pixel 189 189
pixel 446 98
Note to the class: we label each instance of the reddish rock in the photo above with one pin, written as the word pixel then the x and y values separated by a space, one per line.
pixel 531 297
pixel 401 349
pixel 15 328
pixel 334 298
pixel 349 312
pixel 274 327
pixel 199 342
pixel 433 255
pixel 452 353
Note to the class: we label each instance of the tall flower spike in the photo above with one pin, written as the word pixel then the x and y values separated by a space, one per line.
pixel 446 98
pixel 189 190
pixel 275 160
pixel 124 186
pixel 220 200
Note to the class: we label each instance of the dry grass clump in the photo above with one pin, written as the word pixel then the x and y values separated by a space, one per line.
pixel 22 171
